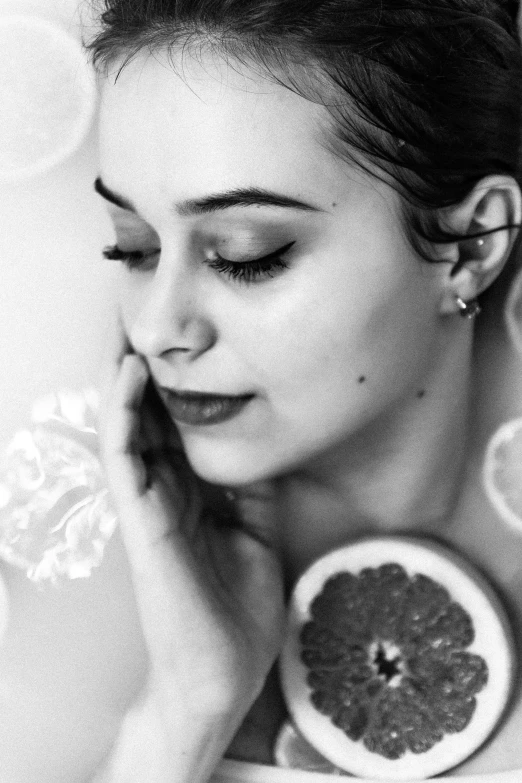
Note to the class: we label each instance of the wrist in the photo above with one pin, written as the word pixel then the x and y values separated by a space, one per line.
pixel 151 748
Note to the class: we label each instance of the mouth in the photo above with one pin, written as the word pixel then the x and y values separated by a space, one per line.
pixel 199 408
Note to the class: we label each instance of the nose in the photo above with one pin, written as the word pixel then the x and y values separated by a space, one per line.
pixel 169 315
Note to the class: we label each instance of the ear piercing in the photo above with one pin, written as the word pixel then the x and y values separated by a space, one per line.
pixel 468 309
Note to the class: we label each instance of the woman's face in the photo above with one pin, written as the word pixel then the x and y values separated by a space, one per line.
pixel 284 276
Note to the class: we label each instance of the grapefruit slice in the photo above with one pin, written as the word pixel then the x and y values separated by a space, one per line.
pixel 502 472
pixel 399 660
pixel 47 94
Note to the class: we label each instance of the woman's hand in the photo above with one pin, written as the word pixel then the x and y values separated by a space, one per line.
pixel 207 581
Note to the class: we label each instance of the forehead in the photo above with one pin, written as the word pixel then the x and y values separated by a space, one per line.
pixel 206 124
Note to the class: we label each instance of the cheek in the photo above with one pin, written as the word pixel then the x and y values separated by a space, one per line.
pixel 306 338
pixel 321 346
pixel 131 293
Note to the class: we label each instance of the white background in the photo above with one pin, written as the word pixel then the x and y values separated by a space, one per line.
pixel 55 290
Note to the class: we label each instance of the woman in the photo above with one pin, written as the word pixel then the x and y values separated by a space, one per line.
pixel 332 186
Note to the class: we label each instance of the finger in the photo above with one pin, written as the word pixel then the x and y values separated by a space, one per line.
pixel 122 449
pixel 150 482
pixel 116 347
pixel 159 430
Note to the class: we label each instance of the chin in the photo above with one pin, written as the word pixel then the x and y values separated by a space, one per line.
pixel 229 466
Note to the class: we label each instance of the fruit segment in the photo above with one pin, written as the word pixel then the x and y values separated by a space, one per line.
pixel 399 659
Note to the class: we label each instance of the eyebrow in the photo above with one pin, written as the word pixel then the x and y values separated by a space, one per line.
pixel 101 188
pixel 239 197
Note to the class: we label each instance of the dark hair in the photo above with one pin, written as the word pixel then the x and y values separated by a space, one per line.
pixel 428 93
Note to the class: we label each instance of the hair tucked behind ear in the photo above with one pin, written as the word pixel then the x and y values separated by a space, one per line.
pixel 425 93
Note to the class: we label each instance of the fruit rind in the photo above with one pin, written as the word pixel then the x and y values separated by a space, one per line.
pixel 467 587
pixel 503 435
pixel 85 85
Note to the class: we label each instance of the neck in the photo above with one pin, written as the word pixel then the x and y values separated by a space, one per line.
pixel 402 473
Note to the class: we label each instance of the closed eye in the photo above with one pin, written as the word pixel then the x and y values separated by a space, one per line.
pixel 133 259
pixel 254 270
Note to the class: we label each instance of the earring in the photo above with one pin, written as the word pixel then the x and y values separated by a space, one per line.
pixel 468 309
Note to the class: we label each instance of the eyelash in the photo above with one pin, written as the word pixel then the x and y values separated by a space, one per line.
pixel 133 259
pixel 244 272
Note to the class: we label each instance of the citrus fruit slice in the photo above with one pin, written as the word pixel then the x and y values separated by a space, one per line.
pixel 502 472
pixel 399 660
pixel 292 751
pixel 47 94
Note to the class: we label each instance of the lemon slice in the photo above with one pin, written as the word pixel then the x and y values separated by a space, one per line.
pixel 399 660
pixel 47 95
pixel 502 472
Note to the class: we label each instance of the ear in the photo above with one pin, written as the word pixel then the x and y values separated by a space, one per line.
pixel 494 205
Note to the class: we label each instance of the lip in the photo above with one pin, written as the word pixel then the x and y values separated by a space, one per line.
pixel 199 408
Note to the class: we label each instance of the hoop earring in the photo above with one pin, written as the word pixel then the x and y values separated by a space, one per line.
pixel 468 309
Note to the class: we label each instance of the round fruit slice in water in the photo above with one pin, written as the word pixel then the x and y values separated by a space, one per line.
pixel 502 473
pixel 399 659
pixel 292 751
pixel 47 94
